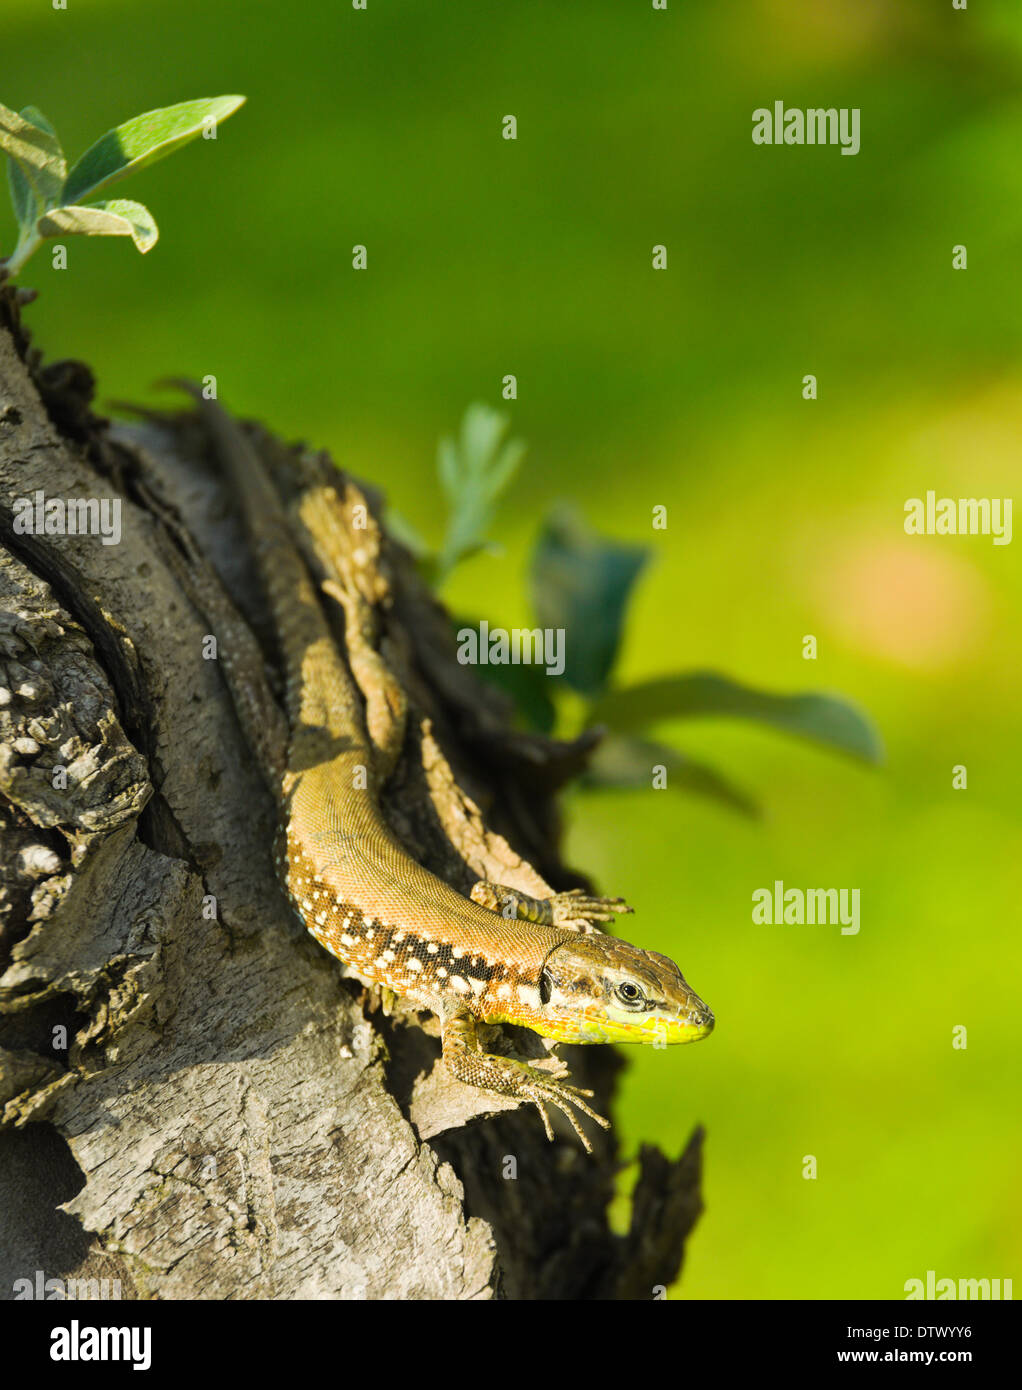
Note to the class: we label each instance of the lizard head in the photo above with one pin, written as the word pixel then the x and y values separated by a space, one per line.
pixel 598 989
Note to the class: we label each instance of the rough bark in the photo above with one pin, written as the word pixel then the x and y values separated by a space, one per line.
pixel 193 1100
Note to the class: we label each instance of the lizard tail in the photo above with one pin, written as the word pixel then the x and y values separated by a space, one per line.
pixel 320 697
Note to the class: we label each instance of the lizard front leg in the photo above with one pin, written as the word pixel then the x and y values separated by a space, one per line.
pixel 559 910
pixel 507 1077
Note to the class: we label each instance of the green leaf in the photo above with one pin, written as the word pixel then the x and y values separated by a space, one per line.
pixel 473 472
pixel 629 762
pixel 26 206
pixel 142 141
pixel 33 114
pixel 120 217
pixel 826 719
pixel 36 151
pixel 26 209
pixel 582 583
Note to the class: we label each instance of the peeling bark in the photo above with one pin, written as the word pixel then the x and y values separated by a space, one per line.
pixel 193 1100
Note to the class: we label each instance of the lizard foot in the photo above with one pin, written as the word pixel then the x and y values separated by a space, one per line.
pixel 542 1090
pixel 577 903
pixel 509 1077
pixel 559 910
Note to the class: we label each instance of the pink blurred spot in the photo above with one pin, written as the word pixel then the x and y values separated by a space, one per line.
pixel 908 601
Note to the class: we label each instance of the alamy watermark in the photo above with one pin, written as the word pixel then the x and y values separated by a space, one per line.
pixel 815 906
pixel 963 516
pixel 520 647
pixel 814 126
pixel 934 1288
pixel 40 515
pixel 78 1342
pixel 55 1288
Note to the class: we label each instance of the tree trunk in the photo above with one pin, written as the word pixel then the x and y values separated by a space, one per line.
pixel 193 1100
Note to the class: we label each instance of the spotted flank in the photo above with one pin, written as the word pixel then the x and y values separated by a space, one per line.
pixel 423 969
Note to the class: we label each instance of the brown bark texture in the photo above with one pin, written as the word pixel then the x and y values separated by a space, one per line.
pixel 194 1101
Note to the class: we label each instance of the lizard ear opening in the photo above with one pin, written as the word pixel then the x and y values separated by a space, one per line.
pixel 546 985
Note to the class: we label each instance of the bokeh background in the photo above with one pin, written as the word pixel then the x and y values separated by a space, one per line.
pixel 680 388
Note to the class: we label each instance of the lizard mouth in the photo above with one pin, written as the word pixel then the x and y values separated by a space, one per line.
pixel 689 1025
pixel 686 1026
pixel 699 1025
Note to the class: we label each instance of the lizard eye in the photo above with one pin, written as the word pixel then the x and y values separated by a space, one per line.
pixel 545 987
pixel 629 993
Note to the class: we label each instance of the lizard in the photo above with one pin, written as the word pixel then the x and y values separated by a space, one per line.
pixel 497 956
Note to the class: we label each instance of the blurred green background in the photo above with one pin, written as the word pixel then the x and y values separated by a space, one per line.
pixel 680 388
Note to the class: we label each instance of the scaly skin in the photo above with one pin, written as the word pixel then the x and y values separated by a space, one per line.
pixel 392 922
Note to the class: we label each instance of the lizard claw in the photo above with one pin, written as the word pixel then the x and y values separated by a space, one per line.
pixel 575 903
pixel 543 1093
